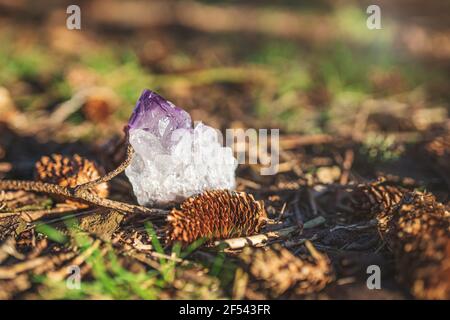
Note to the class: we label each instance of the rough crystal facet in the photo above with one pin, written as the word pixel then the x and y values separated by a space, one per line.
pixel 158 116
pixel 173 160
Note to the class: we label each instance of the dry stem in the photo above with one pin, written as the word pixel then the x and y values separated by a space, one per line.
pixel 109 175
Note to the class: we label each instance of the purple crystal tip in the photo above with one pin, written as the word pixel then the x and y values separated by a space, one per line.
pixel 155 114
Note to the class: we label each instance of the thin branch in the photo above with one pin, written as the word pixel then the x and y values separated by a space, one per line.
pixel 89 185
pixel 61 273
pixel 257 239
pixel 260 239
pixel 82 195
pixel 10 272
pixel 81 192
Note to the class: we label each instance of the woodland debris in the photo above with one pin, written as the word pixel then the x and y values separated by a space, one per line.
pixel 437 149
pixel 367 200
pixel 418 232
pixel 260 239
pixel 8 248
pixel 98 108
pixel 80 194
pixel 44 262
pixel 279 273
pixel 255 240
pixel 70 172
pixel 9 288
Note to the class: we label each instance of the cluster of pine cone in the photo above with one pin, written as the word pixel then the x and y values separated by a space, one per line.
pixel 418 233
pixel 437 149
pixel 212 215
pixel 368 200
pixel 70 171
pixel 416 228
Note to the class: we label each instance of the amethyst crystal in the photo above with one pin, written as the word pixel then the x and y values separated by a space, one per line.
pixel 172 159
pixel 158 116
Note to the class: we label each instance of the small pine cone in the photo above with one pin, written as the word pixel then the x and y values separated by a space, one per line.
pixel 97 109
pixel 70 172
pixel 438 149
pixel 418 232
pixel 439 146
pixel 213 215
pixel 277 272
pixel 376 197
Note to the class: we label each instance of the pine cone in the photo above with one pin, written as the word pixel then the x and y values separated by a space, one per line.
pixel 376 197
pixel 418 232
pixel 97 109
pixel 218 214
pixel 278 272
pixel 70 172
pixel 438 149
pixel 439 146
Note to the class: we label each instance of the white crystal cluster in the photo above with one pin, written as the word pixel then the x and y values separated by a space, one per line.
pixel 174 162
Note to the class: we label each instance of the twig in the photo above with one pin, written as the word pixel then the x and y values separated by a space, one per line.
pixel 78 260
pixel 81 192
pixel 357 226
pixel 8 214
pixel 314 222
pixel 240 284
pixel 8 248
pixel 346 166
pixel 65 109
pixel 142 257
pixel 173 258
pixel 82 195
pixel 298 214
pixel 248 183
pixel 298 242
pixel 295 141
pixel 89 185
pixel 312 201
pixel 32 215
pixel 258 239
pixel 294 162
pixel 11 272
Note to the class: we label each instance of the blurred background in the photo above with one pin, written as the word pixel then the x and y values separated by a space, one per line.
pixel 306 67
